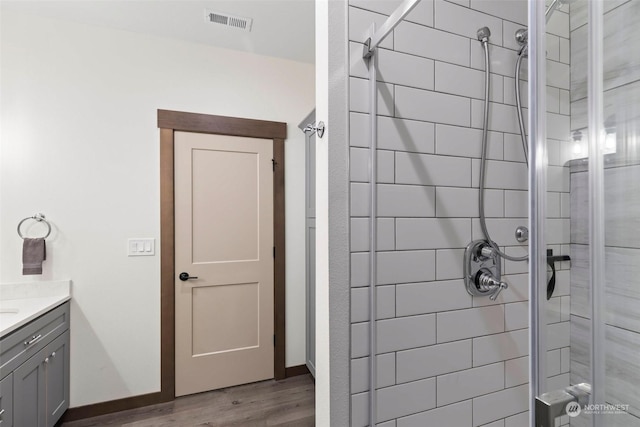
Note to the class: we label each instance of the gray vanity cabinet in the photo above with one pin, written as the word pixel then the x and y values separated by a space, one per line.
pixel 29 393
pixel 35 368
pixel 41 386
pixel 6 401
pixel 57 378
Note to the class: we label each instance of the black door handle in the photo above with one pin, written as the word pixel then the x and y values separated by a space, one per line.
pixel 185 276
pixel 551 285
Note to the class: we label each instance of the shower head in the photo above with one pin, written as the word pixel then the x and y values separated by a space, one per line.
pixel 483 34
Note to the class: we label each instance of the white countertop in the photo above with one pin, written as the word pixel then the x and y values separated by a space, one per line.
pixel 20 303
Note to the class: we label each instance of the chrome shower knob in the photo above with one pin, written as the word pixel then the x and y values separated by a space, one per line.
pixel 522 234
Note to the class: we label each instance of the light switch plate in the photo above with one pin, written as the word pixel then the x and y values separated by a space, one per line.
pixel 141 247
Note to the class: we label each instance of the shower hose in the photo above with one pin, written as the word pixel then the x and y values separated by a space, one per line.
pixel 483 159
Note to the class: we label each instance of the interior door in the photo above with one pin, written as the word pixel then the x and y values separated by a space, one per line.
pixel 223 261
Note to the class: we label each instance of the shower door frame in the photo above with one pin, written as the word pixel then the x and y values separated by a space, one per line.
pixel 537 179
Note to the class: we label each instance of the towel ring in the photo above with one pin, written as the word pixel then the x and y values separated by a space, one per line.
pixel 38 217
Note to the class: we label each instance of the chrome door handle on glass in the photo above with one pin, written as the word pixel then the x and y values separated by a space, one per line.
pixel 185 276
pixel 556 403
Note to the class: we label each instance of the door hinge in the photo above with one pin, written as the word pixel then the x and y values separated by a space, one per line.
pixel 274 163
pixel 274 251
pixel 274 340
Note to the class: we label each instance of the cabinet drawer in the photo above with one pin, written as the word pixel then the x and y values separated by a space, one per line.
pixel 6 401
pixel 20 345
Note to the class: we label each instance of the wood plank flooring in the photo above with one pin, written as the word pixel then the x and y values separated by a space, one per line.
pixel 286 403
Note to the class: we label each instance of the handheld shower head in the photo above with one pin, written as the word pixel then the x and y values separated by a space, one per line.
pixel 483 34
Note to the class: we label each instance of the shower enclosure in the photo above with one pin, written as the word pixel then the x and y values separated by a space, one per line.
pixel 572 232
pixel 600 164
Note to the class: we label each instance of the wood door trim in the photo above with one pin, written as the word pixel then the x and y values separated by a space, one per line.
pixel 279 262
pixel 233 126
pixel 167 268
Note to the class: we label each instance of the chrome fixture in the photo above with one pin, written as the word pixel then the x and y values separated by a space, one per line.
pixel 483 34
pixel 392 21
pixel 39 218
pixel 557 403
pixel 375 37
pixel 522 234
pixel 482 269
pixel 311 128
pixel 522 36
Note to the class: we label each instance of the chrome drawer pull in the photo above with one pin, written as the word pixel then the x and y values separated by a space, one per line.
pixel 33 339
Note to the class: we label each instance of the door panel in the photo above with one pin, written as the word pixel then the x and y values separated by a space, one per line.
pixel 6 401
pixel 212 315
pixel 29 393
pixel 224 240
pixel 228 231
pixel 57 374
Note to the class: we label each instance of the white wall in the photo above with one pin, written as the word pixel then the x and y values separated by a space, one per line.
pixel 80 144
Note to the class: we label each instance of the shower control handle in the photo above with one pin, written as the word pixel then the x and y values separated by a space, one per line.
pixel 485 282
pixel 482 270
pixel 500 288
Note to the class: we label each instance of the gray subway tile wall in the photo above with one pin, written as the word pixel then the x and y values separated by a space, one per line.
pixel 444 357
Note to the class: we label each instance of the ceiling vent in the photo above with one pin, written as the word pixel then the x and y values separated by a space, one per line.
pixel 227 20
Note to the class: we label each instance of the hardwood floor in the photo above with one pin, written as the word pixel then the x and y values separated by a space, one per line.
pixel 285 403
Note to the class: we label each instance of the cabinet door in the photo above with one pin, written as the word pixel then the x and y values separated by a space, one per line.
pixel 57 378
pixel 29 393
pixel 6 401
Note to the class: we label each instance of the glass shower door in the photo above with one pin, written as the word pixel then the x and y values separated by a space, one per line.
pixel 549 218
pixel 585 203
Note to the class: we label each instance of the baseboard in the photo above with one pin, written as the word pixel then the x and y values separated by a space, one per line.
pixel 112 406
pixel 133 402
pixel 294 371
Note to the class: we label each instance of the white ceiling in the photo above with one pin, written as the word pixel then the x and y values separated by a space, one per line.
pixel 281 28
